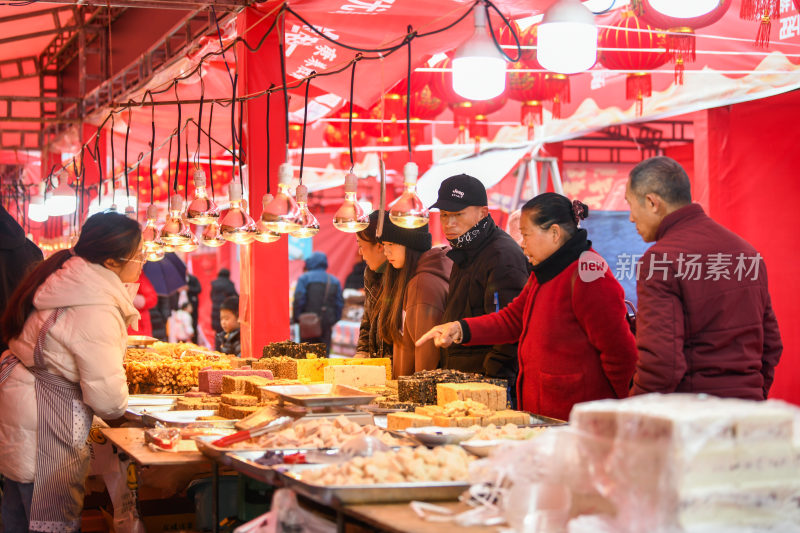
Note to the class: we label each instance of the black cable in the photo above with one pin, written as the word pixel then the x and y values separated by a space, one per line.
pixel 152 153
pixel 200 118
pixel 489 4
pixel 221 44
pixel 186 177
pixel 233 129
pixel 127 136
pixel 210 165
pixel 242 151
pixel 283 76
pixel 305 122
pixel 268 142
pixel 77 188
pixel 169 170
pixel 408 100
pixel 138 183
pixel 350 119
pixel 113 164
pixel 604 11
pixel 178 158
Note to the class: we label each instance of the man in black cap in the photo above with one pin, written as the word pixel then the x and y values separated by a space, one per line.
pixel 489 270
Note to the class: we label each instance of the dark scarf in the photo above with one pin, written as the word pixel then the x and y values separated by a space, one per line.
pixel 563 257
pixel 472 239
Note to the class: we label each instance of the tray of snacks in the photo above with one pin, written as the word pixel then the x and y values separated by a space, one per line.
pixel 185 418
pixel 486 439
pixel 406 474
pixel 438 436
pixel 141 340
pixel 260 465
pixel 321 395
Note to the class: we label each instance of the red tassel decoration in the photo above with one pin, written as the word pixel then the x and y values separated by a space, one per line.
pixel 765 11
pixel 637 87
pixel 531 113
pixel 679 68
pixel 557 89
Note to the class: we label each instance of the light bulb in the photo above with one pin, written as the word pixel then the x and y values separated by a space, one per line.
pixel 151 236
pixel 281 215
pixel 62 201
pixel 408 211
pixel 175 231
pixel 130 212
pixel 350 217
pixel 309 226
pixel 684 9
pixel 263 233
pixel 201 210
pixel 212 236
pixel 479 69
pixel 190 246
pixel 237 226
pixel 36 208
pixel 567 38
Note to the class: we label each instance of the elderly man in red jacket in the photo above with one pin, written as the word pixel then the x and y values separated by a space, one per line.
pixel 705 319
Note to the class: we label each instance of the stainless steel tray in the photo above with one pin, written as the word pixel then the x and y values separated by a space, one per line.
pixel 177 419
pixel 322 395
pixel 135 413
pixel 291 476
pixel 243 461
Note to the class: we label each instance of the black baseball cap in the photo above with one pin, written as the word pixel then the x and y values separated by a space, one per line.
pixel 460 191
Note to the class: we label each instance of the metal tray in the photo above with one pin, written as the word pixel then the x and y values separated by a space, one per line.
pixel 243 461
pixel 141 400
pixel 291 475
pixel 541 420
pixel 135 413
pixel 323 395
pixel 177 419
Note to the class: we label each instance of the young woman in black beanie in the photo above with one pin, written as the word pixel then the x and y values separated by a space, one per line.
pixel 413 295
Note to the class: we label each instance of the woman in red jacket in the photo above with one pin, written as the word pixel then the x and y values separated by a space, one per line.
pixel 575 344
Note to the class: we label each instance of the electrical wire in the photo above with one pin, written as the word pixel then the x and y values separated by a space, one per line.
pixel 408 101
pixel 152 152
pixel 305 126
pixel 178 158
pixel 210 158
pixel 127 136
pixel 606 10
pixel 350 121
pixel 488 4
pixel 113 164
pixel 266 128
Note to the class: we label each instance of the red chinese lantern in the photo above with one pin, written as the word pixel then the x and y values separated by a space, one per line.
pixel 630 36
pixel 529 89
pixel 681 42
pixel 337 134
pixel 764 10
pixel 295 135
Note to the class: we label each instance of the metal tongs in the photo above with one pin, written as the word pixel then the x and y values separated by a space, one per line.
pixel 277 424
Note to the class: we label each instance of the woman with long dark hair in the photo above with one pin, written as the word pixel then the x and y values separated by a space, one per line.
pixel 413 295
pixel 370 341
pixel 65 326
pixel 575 344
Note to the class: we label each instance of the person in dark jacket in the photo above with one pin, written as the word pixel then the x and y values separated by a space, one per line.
pixel 575 344
pixel 18 256
pixel 489 271
pixel 319 292
pixel 229 339
pixel 221 288
pixel 705 323
pixel 193 291
pixel 370 341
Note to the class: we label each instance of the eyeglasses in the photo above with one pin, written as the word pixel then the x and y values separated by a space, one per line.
pixel 140 257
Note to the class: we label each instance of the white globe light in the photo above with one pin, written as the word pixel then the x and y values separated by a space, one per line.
pixel 567 38
pixel 37 212
pixel 60 205
pixel 479 69
pixel 684 8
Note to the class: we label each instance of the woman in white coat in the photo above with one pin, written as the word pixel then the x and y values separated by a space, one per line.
pixel 65 326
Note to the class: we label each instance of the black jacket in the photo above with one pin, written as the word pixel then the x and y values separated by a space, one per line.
pixel 368 336
pixel 495 264
pixel 229 343
pixel 18 256
pixel 221 288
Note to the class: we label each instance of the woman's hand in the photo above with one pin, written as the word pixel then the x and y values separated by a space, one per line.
pixel 443 335
pixel 361 355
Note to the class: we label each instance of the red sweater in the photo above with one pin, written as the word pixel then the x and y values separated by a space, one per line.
pixel 574 342
pixel 150 300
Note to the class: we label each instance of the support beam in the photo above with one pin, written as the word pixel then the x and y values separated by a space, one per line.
pixel 34 35
pixel 26 67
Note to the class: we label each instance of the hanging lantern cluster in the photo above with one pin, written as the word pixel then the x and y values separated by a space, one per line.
pixel 634 45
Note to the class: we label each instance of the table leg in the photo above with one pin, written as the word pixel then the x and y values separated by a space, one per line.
pixel 215 495
pixel 340 521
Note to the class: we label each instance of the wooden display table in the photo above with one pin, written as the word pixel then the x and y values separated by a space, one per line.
pixel 131 441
